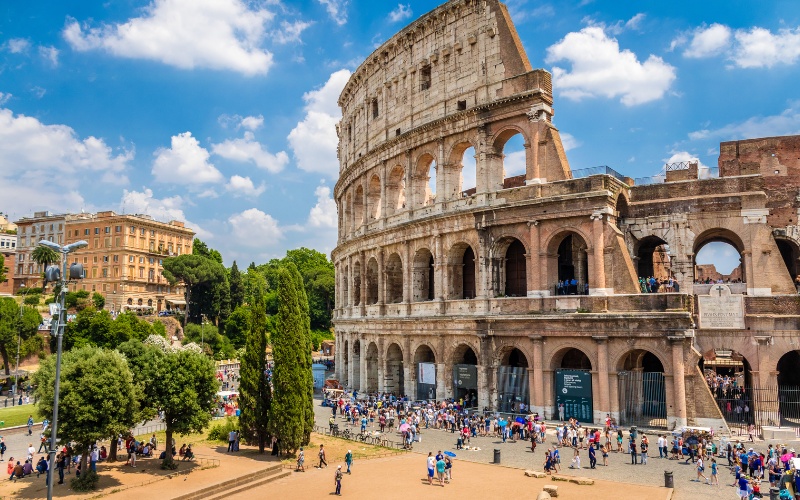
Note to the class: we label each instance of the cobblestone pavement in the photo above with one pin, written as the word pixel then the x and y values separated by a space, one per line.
pixel 518 454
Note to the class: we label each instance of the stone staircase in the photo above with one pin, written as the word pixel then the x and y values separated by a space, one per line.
pixel 231 487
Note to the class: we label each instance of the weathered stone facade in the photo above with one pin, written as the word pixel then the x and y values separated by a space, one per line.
pixel 430 272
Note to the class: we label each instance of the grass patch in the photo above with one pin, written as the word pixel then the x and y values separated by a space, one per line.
pixel 17 415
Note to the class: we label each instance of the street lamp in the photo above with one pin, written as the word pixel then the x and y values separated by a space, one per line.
pixel 52 273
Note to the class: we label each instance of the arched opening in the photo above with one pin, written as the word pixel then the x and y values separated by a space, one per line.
pixel 572 265
pixel 729 377
pixel 358 208
pixel 372 368
pixel 642 389
pixel 425 182
pixel 394 279
pixel 356 382
pixel 346 287
pixel 393 374
pixel 425 369
pixel 653 262
pixel 346 363
pixel 790 255
pixel 423 276
pixel 461 270
pixel 374 198
pixel 396 190
pixel 789 389
pixel 511 146
pixel 512 381
pixel 465 375
pixel 573 385
pixel 372 281
pixel 357 284
pixel 718 258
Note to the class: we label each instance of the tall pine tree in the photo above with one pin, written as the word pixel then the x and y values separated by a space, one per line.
pixel 254 389
pixel 291 376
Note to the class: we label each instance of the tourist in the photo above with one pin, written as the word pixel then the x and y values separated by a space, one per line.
pixel 322 458
pixel 431 462
pixel 348 459
pixel 337 480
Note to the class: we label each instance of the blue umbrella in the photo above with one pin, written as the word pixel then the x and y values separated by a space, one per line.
pixel 450 454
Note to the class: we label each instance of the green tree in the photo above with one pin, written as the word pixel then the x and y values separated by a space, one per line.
pixel 192 271
pixel 237 286
pixel 11 327
pixel 254 389
pixel 98 301
pixel 292 372
pixel 97 398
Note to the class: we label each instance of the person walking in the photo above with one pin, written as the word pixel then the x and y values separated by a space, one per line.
pixel 348 459
pixel 322 458
pixel 337 480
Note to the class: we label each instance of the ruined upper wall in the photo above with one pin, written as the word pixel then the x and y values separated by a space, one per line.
pixel 462 54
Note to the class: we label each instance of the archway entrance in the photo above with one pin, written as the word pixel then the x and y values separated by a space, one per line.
pixel 372 368
pixel 356 382
pixel 789 389
pixel 512 381
pixel 729 378
pixel 642 390
pixel 425 364
pixel 465 375
pixel 573 385
pixel 393 374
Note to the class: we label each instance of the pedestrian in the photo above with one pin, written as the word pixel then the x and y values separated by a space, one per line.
pixel 337 479
pixel 431 462
pixel 700 469
pixel 348 459
pixel 322 458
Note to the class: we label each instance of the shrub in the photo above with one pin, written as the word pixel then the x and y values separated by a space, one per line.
pixel 87 481
pixel 220 431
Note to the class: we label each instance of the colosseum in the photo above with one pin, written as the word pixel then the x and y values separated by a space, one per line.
pixel 530 292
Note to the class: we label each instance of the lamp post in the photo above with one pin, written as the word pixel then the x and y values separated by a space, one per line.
pixel 54 275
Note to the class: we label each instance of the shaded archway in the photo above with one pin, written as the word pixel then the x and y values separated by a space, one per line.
pixel 512 381
pixel 461 272
pixel 465 375
pixel 571 264
pixel 642 389
pixel 396 190
pixel 374 198
pixel 718 257
pixel 425 370
pixel 372 367
pixel 394 279
pixel 423 276
pixel 358 208
pixel 653 261
pixel 372 281
pixel 424 181
pixel 357 283
pixel 393 382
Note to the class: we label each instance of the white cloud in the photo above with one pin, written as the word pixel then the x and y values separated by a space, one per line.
pixel 243 186
pixel 337 9
pixel 18 45
pixel 569 141
pixel 50 54
pixel 185 162
pixel 323 214
pixel 247 149
pixel 760 48
pixel 254 228
pixel 252 122
pixel 708 41
pixel 314 140
pixel 290 32
pixel 785 123
pixel 161 209
pixel 215 34
pixel 601 69
pixel 400 13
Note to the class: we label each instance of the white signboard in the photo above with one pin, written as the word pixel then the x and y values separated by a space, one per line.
pixel 721 310
pixel 427 373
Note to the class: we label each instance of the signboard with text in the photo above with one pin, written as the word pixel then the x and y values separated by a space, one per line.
pixel 574 395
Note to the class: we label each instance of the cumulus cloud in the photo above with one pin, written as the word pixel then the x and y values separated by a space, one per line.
pixel 215 34
pixel 760 48
pixel 243 186
pixel 248 150
pixel 290 32
pixel 323 214
pixel 601 69
pixel 254 228
pixel 785 123
pixel 314 140
pixel 401 13
pixel 337 9
pixel 708 41
pixel 184 162
pixel 18 45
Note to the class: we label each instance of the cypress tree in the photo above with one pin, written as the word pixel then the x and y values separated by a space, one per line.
pixel 254 389
pixel 292 371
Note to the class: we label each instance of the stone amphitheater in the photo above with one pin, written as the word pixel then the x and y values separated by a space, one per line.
pixel 454 289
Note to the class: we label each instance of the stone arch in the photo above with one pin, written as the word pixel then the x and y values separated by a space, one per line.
pixel 372 281
pixel 394 279
pixel 512 378
pixel 374 202
pixel 396 190
pixel 372 361
pixel 358 207
pixel 424 177
pixel 357 279
pixel 393 372
pixel 703 271
pixel 462 179
pixel 462 271
pixel 423 276
pixel 567 260
pixel 510 267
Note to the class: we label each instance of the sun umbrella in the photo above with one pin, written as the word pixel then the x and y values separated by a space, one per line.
pixel 450 454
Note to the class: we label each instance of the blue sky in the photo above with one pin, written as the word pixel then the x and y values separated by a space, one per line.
pixel 221 112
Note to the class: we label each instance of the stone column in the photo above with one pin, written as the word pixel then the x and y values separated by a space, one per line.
pixel 537 385
pixel 441 382
pixel 597 271
pixel 679 382
pixel 602 378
